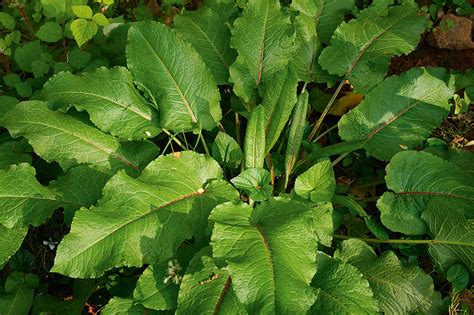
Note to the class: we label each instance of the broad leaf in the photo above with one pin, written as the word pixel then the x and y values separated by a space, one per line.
pixel 318 183
pixel 279 98
pixel 14 152
pixel 341 289
pixel 254 145
pixel 255 182
pixel 83 30
pixel 226 150
pixel 262 39
pixel 270 252
pixel 175 75
pixel 399 113
pixel 206 29
pixel 58 137
pixel 152 292
pixel 144 220
pixel 18 297
pixel 452 231
pixel 415 178
pixel 125 306
pixel 207 289
pixel 398 289
pixel 10 241
pixel 362 48
pixel 109 97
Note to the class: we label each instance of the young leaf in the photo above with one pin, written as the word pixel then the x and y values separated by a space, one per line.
pixel 342 289
pixel 255 183
pixel 58 137
pixel 401 111
pixel 82 11
pixel 110 98
pixel 83 30
pixel 279 98
pixel 145 219
pixel 254 145
pixel 451 225
pixel 50 32
pixel 415 178
pixel 298 122
pixel 10 242
pixel 152 292
pixel 206 29
pixel 264 45
pixel 226 150
pixel 19 293
pixel 318 183
pixel 364 60
pixel 270 251
pixel 398 289
pixel 176 77
pixel 207 289
pixel 100 19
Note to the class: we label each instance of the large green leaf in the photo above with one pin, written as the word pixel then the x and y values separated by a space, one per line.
pixel 452 231
pixel 318 183
pixel 279 98
pixel 19 293
pixel 175 76
pixel 152 291
pixel 270 252
pixel 14 152
pixel 58 137
pixel 398 289
pixel 341 289
pixel 206 29
pixel 109 96
pixel 145 219
pixel 415 178
pixel 362 48
pixel 399 113
pixel 10 241
pixel 264 45
pixel 207 289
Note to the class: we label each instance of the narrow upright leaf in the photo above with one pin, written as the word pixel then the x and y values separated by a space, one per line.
pixel 270 251
pixel 364 60
pixel 254 145
pixel 206 29
pixel 58 137
pixel 175 75
pixel 415 178
pixel 400 112
pixel 398 289
pixel 263 39
pixel 295 137
pixel 109 96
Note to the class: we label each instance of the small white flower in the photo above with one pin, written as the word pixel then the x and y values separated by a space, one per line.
pixel 172 272
pixel 50 243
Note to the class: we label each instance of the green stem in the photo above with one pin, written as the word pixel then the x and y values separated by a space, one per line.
pixel 204 143
pixel 325 133
pixel 175 139
pixel 398 241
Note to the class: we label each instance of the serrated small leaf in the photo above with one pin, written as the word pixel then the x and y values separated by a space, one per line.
pixel 82 11
pixel 60 9
pixel 364 60
pixel 109 96
pixel 100 19
pixel 400 112
pixel 254 144
pixel 83 30
pixel 27 53
pixel 7 21
pixel 318 183
pixel 175 75
pixel 50 32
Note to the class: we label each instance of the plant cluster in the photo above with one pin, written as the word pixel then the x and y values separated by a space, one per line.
pixel 251 157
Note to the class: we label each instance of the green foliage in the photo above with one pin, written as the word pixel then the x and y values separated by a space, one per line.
pixel 179 160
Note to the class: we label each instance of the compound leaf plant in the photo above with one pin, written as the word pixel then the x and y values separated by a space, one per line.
pixel 194 171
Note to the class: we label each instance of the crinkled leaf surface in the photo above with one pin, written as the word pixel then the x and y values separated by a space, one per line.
pixel 452 231
pixel 318 183
pixel 145 219
pixel 206 29
pixel 415 178
pixel 152 292
pixel 399 113
pixel 109 96
pixel 58 137
pixel 263 39
pixel 10 241
pixel 207 289
pixel 19 293
pixel 398 289
pixel 362 48
pixel 270 252
pixel 341 289
pixel 279 98
pixel 175 75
